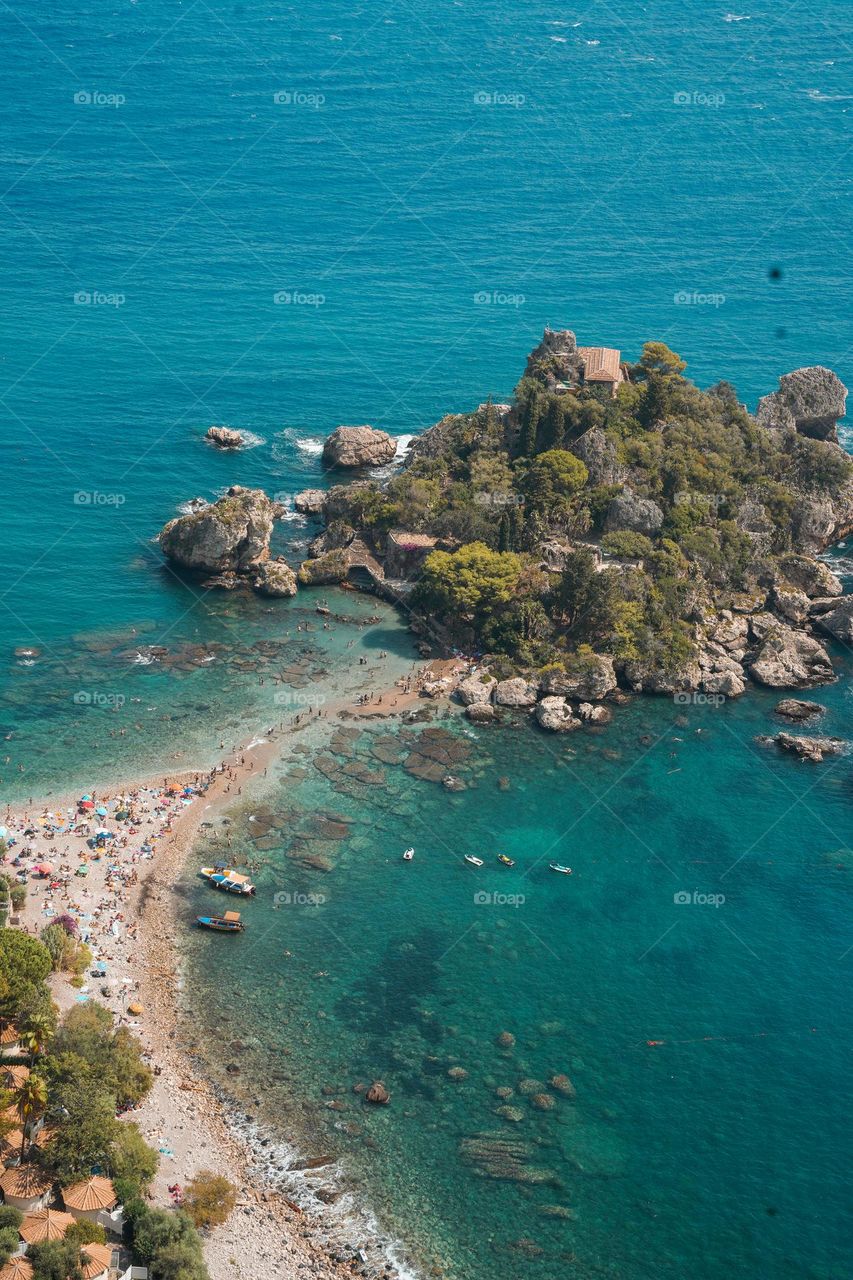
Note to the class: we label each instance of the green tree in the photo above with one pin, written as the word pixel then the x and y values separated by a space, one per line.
pixel 132 1163
pixel 30 1099
pixel 84 1232
pixel 24 965
pixel 554 477
pixel 209 1199
pixel 55 1260
pixel 657 358
pixel 9 1242
pixel 85 1133
pixel 111 1057
pixel 585 598
pixel 471 582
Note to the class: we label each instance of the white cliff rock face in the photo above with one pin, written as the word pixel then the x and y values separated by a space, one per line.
pixel 358 447
pixel 516 692
pixel 790 659
pixel 556 714
pixel 230 536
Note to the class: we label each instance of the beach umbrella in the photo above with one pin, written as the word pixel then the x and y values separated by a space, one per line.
pixel 101 811
pixel 135 1008
pixel 86 796
pixel 4 831
pixel 43 868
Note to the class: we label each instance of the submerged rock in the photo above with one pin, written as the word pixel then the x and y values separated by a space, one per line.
pixel 377 1094
pixel 813 749
pixel 797 709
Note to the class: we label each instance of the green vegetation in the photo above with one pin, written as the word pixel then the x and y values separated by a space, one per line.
pixel 497 489
pixel 209 1199
pixel 83 1072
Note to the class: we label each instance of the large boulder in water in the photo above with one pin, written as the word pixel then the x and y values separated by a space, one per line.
pixel 838 622
pixel 358 447
pixel 516 692
pixel 224 437
pixel 476 688
pixel 809 401
pixel 274 578
pixel 310 502
pixel 230 536
pixel 556 715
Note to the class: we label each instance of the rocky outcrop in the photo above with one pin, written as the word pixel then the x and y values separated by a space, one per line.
pixel 789 603
pixel 810 401
pixel 556 358
pixel 813 749
pixel 798 709
pixel 588 677
pixel 335 537
pixel 639 515
pixel 310 502
pixel 810 576
pixel 354 447
pixel 230 536
pixel 516 692
pixel 274 578
pixel 481 713
pixel 224 437
pixel 599 456
pixel 325 570
pixel 594 715
pixel 645 679
pixel 790 659
pixel 838 622
pixel 556 715
pixel 476 689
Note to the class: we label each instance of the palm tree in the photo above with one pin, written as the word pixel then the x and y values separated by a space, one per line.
pixel 31 1100
pixel 38 1032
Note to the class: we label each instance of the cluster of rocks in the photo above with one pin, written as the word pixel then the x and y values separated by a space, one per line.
pixel 224 437
pixel 561 699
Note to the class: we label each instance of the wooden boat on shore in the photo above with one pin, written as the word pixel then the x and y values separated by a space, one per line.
pixel 227 879
pixel 229 923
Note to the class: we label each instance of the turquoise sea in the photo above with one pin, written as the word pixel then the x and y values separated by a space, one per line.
pixel 281 218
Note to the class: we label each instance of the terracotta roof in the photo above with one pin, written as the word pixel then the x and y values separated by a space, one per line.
pixel 17 1268
pixel 13 1077
pixel 94 1193
pixel 11 1143
pixel 47 1224
pixel 95 1259
pixel 601 364
pixel 9 1035
pixel 26 1181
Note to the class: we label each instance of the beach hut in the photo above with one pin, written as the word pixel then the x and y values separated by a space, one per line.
pixel 46 1225
pixel 96 1261
pixel 95 1200
pixel 13 1077
pixel 17 1268
pixel 10 1146
pixel 10 1041
pixel 27 1188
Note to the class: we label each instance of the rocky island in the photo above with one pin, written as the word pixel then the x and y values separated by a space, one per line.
pixel 612 528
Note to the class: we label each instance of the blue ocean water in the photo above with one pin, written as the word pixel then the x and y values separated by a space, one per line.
pixel 284 217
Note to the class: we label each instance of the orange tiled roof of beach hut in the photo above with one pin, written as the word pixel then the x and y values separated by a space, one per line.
pixel 94 1193
pixel 47 1224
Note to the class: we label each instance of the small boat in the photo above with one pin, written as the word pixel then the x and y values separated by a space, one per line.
pixel 508 862
pixel 564 871
pixel 475 862
pixel 408 855
pixel 227 879
pixel 229 923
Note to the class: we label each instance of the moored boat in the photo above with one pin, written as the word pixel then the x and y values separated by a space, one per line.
pixel 227 879
pixel 475 862
pixel 508 862
pixel 564 871
pixel 229 923
pixel 408 855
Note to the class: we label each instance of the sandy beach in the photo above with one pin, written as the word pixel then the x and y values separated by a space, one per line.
pixel 125 910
